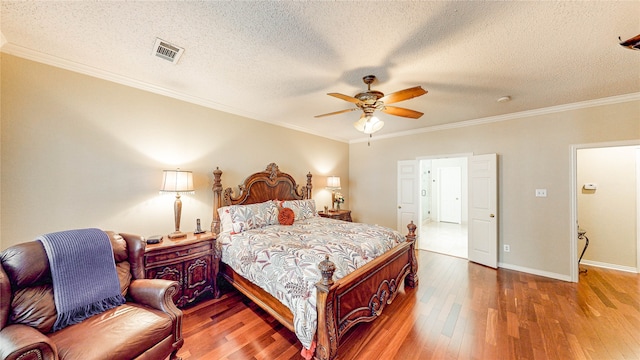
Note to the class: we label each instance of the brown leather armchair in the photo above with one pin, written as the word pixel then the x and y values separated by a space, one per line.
pixel 147 326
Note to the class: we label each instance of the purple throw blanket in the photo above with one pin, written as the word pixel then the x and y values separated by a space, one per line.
pixel 85 281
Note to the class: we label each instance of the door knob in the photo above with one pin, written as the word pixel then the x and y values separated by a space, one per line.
pixel 492 216
pixel 399 207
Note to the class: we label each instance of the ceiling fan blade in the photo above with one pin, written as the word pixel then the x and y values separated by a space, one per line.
pixel 402 95
pixel 398 111
pixel 336 112
pixel 345 97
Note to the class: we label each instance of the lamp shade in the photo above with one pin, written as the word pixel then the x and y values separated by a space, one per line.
pixel 359 125
pixel 333 182
pixel 177 181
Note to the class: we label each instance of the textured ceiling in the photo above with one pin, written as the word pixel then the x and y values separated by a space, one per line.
pixel 275 61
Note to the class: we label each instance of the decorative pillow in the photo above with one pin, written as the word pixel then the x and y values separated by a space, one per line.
pixel 254 216
pixel 303 209
pixel 286 216
pixel 225 219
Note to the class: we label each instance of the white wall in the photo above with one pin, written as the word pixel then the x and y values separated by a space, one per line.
pixel 534 152
pixel 78 152
pixel 608 214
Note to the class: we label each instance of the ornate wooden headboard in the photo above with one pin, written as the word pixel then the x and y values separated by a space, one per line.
pixel 270 184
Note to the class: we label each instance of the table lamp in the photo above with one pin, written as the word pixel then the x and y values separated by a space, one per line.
pixel 177 181
pixel 333 184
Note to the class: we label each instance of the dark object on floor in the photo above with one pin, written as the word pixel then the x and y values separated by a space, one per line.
pixel 581 235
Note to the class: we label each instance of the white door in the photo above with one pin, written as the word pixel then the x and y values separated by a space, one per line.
pixel 408 188
pixel 449 196
pixel 483 206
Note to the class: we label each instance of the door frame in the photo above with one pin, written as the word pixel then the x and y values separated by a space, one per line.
pixel 573 221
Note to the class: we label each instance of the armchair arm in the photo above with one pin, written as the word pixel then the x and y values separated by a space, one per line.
pixel 158 294
pixel 155 293
pixel 19 341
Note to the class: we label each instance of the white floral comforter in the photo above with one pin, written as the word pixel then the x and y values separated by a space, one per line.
pixel 283 260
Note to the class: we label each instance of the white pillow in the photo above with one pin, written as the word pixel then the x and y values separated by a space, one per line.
pixel 253 216
pixel 303 209
pixel 225 219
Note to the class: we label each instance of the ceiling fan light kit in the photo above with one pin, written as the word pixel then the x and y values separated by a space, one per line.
pixel 368 124
pixel 371 100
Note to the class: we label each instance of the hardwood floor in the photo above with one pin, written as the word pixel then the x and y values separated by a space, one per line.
pixel 460 310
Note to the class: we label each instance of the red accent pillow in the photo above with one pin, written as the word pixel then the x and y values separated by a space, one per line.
pixel 286 216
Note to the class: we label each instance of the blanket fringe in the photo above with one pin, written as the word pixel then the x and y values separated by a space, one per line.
pixel 81 313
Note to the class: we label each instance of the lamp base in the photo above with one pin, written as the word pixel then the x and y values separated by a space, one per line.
pixel 177 234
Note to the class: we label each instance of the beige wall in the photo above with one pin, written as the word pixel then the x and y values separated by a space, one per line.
pixel 83 152
pixel 608 214
pixel 78 151
pixel 533 153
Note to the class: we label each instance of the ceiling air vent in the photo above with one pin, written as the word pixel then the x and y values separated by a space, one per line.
pixel 167 51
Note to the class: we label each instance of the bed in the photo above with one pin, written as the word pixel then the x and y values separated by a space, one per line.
pixel 341 299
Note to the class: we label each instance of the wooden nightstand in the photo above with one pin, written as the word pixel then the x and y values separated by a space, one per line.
pixel 192 261
pixel 337 214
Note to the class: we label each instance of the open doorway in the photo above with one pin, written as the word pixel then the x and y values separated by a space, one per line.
pixel 599 193
pixel 444 205
pixel 607 202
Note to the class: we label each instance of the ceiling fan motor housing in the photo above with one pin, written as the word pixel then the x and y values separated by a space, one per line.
pixel 370 96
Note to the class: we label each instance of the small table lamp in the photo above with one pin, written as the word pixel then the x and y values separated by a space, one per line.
pixel 333 184
pixel 179 182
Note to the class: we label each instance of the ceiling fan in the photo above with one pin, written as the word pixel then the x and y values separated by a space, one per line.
pixel 372 100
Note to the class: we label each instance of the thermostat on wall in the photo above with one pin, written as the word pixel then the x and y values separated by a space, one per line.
pixel 590 186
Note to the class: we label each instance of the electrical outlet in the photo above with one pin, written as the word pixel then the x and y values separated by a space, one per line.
pixel 541 192
pixel 507 248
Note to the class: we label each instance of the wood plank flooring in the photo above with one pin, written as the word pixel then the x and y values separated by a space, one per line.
pixel 460 310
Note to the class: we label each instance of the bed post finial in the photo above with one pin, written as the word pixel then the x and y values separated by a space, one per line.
pixel 327 332
pixel 412 278
pixel 412 230
pixel 309 186
pixel 217 200
pixel 327 267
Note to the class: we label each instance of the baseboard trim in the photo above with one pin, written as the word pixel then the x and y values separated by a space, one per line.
pixel 599 264
pixel 538 272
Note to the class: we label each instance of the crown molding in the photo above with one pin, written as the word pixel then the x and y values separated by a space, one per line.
pixel 54 61
pixel 512 116
pixel 109 76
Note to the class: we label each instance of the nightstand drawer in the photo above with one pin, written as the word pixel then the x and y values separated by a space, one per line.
pixel 178 252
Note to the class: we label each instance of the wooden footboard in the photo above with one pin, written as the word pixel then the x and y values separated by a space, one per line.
pixel 362 295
